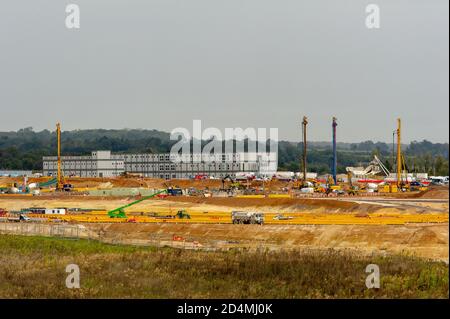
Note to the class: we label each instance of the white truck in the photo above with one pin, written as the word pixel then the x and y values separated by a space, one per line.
pixel 242 217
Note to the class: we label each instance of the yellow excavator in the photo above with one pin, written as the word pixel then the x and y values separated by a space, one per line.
pixel 233 185
pixel 353 190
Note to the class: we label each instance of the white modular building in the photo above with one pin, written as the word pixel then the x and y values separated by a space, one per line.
pixel 163 165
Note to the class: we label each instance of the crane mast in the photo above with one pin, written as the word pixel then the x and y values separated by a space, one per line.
pixel 59 184
pixel 304 123
pixel 399 153
pixel 334 168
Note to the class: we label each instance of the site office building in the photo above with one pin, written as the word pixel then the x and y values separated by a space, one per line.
pixel 105 164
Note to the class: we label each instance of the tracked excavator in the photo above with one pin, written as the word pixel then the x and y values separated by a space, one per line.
pixel 234 184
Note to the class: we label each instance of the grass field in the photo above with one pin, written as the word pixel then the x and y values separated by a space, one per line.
pixel 34 267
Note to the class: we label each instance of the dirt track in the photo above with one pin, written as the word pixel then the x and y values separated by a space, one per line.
pixel 219 204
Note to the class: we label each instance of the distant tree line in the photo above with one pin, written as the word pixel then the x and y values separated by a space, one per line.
pixel 24 150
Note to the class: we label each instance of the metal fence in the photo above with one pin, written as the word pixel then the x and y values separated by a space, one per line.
pixel 109 237
pixel 38 229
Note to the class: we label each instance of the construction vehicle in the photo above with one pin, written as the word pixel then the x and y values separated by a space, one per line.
pixel 171 191
pixel 182 214
pixel 226 178
pixel 17 218
pixel 67 187
pixel 332 186
pixel 59 177
pixel 240 217
pixel 120 213
pixel 234 184
pixel 50 182
pixel 318 186
pixel 402 178
pixel 353 190
pixel 304 124
pixel 334 167
pixel 415 186
pixel 387 188
pixel 282 217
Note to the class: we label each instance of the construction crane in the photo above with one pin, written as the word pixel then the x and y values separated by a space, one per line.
pixel 334 168
pixel 120 213
pixel 381 165
pixel 400 159
pixel 304 123
pixel 59 178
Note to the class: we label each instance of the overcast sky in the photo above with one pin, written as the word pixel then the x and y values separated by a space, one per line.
pixel 230 63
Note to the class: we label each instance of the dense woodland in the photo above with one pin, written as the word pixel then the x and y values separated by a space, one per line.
pixel 24 150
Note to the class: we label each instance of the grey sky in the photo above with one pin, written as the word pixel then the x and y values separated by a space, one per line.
pixel 231 63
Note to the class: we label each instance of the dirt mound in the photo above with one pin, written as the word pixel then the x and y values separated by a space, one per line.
pixel 436 192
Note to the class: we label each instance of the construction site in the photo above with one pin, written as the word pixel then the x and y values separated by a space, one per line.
pixel 368 210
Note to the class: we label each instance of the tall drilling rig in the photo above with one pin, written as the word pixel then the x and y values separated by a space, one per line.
pixel 60 183
pixel 334 168
pixel 304 123
pixel 399 153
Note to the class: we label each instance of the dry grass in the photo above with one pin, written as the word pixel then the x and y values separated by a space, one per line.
pixel 34 267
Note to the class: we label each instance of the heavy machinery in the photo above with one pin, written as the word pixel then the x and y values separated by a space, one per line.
pixel 353 190
pixel 234 184
pixel 59 177
pixel 334 168
pixel 120 213
pixel 182 214
pixel 304 123
pixel 50 182
pixel 402 179
pixel 67 187
pixel 282 217
pixel 174 191
pixel 240 217
pixel 332 186
pixel 399 155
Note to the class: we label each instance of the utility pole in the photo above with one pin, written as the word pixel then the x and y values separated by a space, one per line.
pixel 399 153
pixel 59 184
pixel 334 168
pixel 304 123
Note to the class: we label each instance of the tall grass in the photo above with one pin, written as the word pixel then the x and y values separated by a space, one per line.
pixel 34 267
